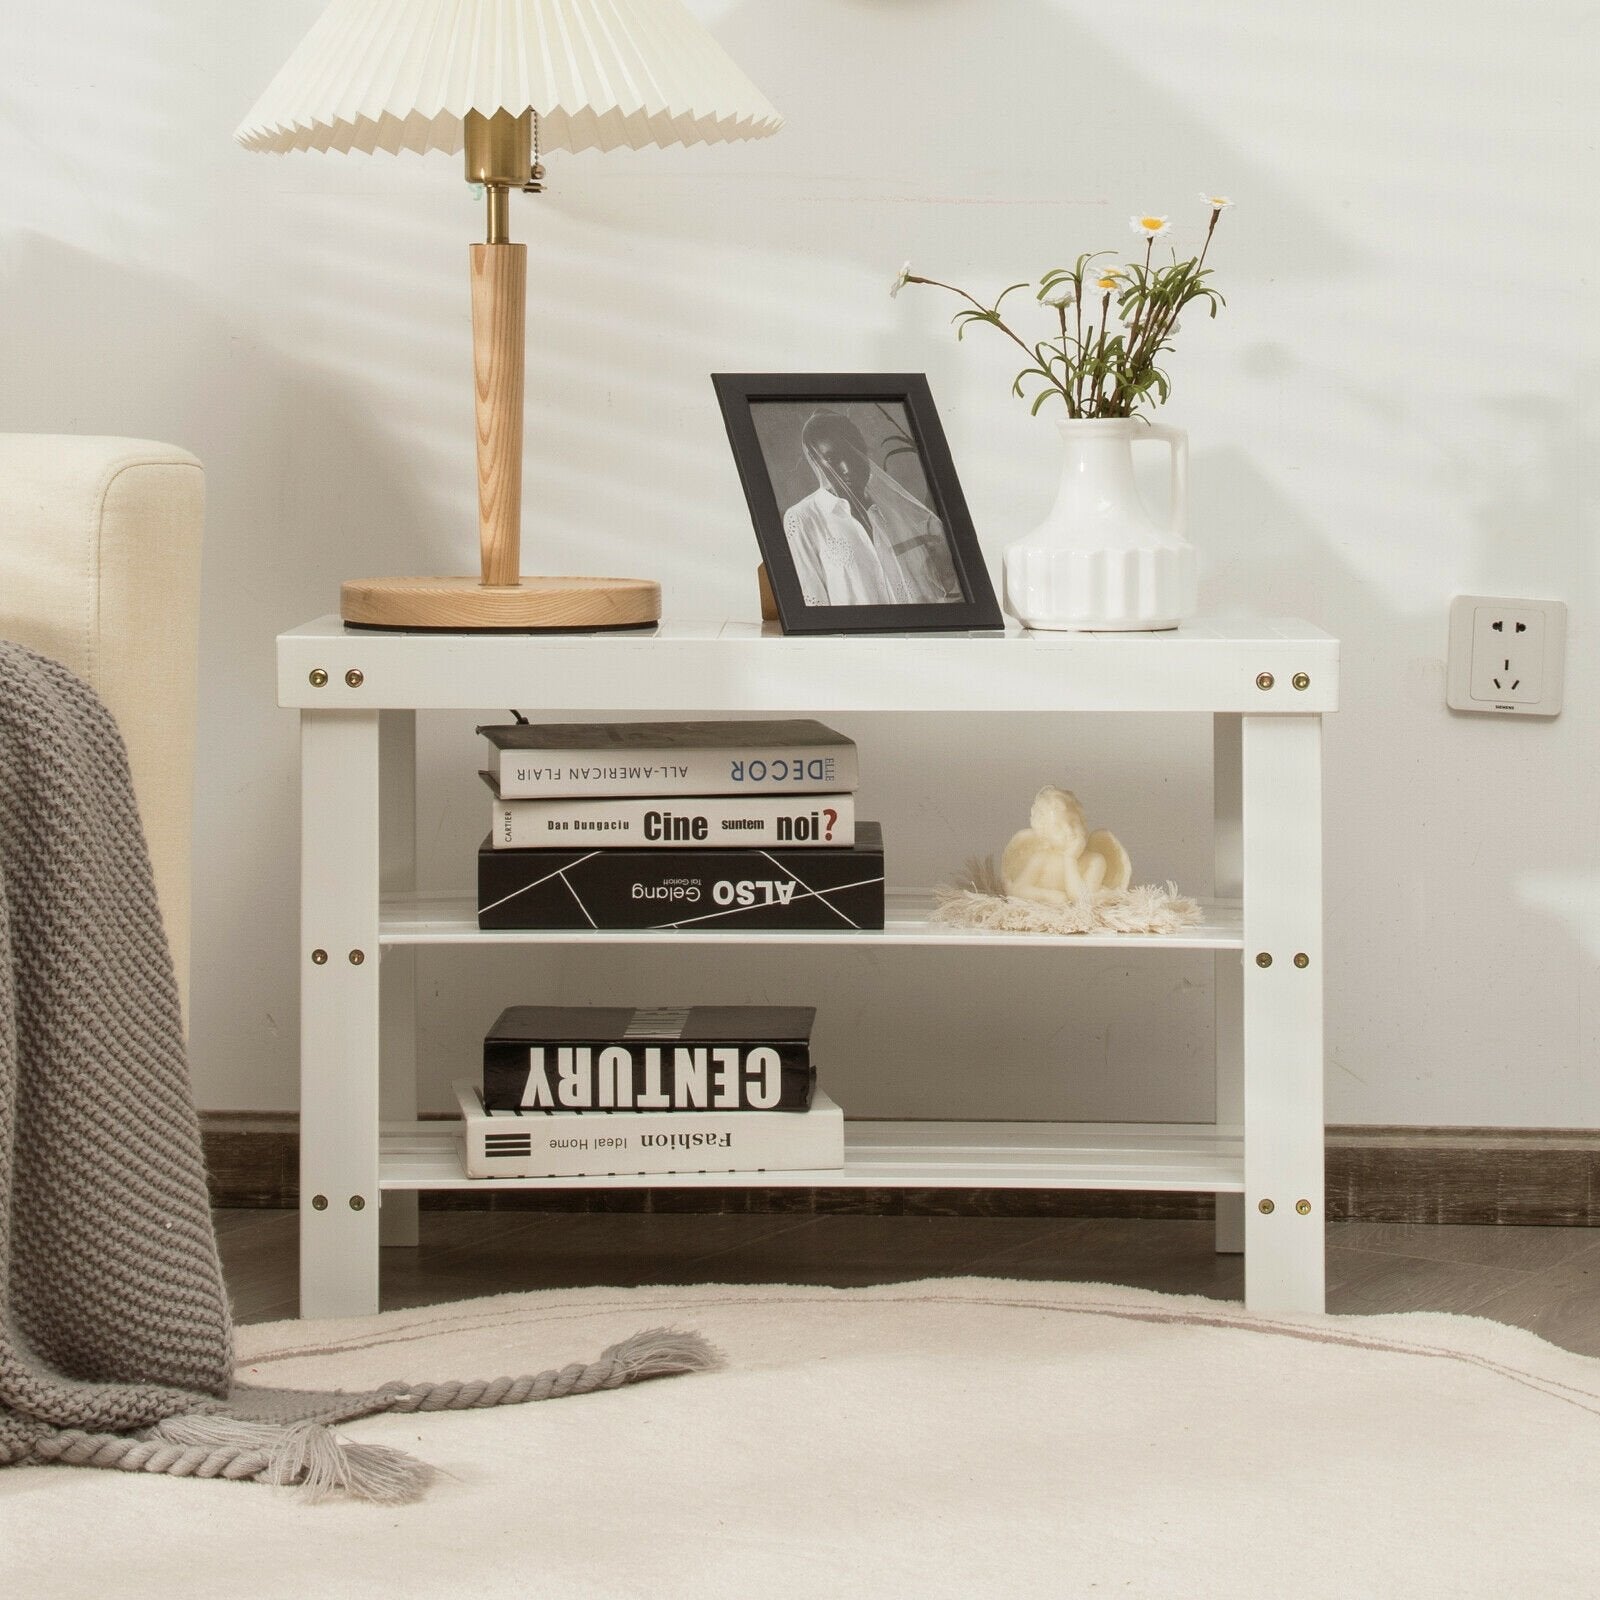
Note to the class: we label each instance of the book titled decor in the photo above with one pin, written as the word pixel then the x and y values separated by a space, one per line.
pixel 699 890
pixel 615 1144
pixel 565 759
pixel 672 1058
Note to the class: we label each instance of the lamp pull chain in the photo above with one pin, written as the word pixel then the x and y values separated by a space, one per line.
pixel 535 183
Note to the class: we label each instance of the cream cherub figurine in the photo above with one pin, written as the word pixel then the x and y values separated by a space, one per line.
pixel 1056 860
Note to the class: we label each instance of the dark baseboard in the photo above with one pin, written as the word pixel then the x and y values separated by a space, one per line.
pixel 252 1158
pixel 1548 1177
pixel 1536 1176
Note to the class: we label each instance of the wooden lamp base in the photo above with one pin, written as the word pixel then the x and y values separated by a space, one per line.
pixel 468 604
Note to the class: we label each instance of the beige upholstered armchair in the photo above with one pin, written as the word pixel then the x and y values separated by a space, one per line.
pixel 100 569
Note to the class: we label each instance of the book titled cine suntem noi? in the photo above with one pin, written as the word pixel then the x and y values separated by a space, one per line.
pixel 676 822
pixel 563 759
pixel 663 1058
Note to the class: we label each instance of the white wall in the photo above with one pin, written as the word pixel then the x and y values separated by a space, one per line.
pixel 1398 405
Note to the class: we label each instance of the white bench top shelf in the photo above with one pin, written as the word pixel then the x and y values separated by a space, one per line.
pixel 680 668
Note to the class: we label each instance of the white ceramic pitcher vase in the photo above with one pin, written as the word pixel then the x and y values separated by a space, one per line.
pixel 1100 561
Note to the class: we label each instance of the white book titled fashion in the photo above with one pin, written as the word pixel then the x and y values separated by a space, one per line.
pixel 715 821
pixel 531 760
pixel 593 1144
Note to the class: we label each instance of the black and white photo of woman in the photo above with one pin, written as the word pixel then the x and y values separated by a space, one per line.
pixel 860 537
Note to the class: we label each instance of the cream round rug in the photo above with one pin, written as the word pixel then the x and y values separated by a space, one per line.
pixel 966 1437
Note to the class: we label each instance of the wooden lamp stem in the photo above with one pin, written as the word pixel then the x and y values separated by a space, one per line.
pixel 499 302
pixel 499 155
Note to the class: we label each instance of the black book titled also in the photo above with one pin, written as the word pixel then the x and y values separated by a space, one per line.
pixel 670 1058
pixel 827 887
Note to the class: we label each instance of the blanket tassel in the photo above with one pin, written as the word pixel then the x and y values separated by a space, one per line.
pixel 310 1456
pixel 655 1353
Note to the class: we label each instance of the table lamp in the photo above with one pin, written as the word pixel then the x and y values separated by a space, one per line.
pixel 504 80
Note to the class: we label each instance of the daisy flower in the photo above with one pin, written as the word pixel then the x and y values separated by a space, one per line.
pixel 901 281
pixel 1217 202
pixel 1150 227
pixel 1058 294
pixel 1107 278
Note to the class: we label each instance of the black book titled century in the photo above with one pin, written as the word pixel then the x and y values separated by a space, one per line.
pixel 671 1058
pixel 827 888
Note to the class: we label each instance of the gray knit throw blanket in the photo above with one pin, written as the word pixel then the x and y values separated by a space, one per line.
pixel 116 1348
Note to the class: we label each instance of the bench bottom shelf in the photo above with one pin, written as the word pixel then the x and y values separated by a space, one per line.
pixel 1177 1157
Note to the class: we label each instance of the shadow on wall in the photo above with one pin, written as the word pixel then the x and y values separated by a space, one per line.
pixel 888 122
pixel 649 269
pixel 895 147
pixel 301 491
pixel 302 488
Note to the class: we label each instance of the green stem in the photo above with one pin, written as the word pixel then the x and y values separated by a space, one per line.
pixel 1100 354
pixel 1061 312
pixel 991 316
pixel 1131 366
pixel 1166 325
pixel 1077 307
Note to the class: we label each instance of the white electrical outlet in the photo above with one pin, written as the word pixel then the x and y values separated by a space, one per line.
pixel 1506 656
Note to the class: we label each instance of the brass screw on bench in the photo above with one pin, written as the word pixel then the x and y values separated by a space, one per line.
pixel 1264 959
pixel 1266 1208
pixel 1303 1207
pixel 1302 960
pixel 1301 680
pixel 319 678
pixel 319 958
pixel 357 1203
pixel 1265 680
pixel 355 677
pixel 319 1202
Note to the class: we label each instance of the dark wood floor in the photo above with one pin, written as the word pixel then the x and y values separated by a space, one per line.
pixel 1546 1279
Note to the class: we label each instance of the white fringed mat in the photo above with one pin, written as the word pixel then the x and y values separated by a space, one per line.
pixel 980 901
pixel 968 1438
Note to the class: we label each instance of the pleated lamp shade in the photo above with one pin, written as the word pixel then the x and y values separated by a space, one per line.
pixel 401 74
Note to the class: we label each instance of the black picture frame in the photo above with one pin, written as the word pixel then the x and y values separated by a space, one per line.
pixel 911 421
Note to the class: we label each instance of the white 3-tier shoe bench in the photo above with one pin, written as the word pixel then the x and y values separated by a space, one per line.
pixel 1265 686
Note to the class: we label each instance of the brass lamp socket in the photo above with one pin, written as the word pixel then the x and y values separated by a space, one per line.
pixel 499 149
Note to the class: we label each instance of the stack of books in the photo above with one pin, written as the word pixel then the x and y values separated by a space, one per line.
pixel 608 1091
pixel 676 825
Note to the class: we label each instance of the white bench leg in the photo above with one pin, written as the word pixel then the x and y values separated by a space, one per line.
pixel 1282 982
pixel 338 1013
